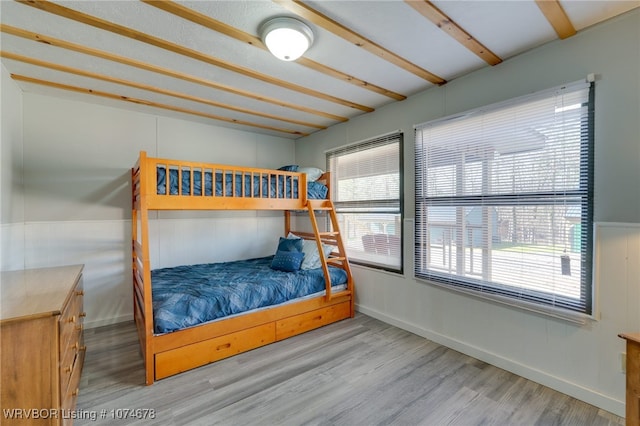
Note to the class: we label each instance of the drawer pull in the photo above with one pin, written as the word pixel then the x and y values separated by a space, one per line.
pixel 79 327
pixel 80 293
pixel 75 392
pixel 83 348
pixel 69 368
pixel 225 346
pixel 82 314
pixel 72 319
pixel 75 346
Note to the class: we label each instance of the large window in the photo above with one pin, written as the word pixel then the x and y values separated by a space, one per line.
pixel 504 200
pixel 366 182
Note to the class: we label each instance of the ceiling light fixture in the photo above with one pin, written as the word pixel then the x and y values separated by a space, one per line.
pixel 286 38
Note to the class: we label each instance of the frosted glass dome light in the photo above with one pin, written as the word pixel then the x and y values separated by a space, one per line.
pixel 286 38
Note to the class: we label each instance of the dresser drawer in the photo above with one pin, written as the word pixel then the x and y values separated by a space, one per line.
pixel 72 318
pixel 69 395
pixel 69 358
pixel 72 348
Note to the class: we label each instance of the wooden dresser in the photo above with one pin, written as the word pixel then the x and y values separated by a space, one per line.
pixel 42 351
pixel 632 410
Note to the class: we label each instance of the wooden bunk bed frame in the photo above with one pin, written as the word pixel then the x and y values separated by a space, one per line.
pixel 171 353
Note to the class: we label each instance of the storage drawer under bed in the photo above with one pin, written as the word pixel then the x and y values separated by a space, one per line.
pixel 197 354
pixel 307 321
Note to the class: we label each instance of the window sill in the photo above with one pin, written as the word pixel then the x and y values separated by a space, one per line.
pixel 546 311
pixel 378 269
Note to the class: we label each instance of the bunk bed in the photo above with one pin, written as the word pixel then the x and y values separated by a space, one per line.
pixel 170 345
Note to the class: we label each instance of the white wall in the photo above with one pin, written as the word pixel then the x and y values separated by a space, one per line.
pixel 76 165
pixel 581 360
pixel 11 200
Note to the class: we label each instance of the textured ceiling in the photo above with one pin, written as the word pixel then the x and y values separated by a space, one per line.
pixel 203 60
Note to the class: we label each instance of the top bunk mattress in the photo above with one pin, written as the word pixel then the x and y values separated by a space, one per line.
pixel 185 296
pixel 230 184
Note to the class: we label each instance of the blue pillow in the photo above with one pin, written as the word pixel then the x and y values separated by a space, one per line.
pixel 289 168
pixel 290 244
pixel 287 261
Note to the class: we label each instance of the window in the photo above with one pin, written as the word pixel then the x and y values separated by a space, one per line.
pixel 504 200
pixel 366 181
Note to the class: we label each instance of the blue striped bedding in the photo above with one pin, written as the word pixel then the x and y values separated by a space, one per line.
pixel 262 186
pixel 185 296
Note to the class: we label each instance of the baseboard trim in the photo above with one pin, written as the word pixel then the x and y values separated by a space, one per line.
pixel 107 321
pixel 572 389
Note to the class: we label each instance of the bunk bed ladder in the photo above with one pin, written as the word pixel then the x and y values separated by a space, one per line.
pixel 338 258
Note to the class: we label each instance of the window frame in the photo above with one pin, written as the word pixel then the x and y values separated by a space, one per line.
pixel 382 206
pixel 531 300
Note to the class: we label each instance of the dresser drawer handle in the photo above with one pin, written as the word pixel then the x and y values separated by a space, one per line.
pixel 83 348
pixel 69 368
pixel 72 319
pixel 80 293
pixel 75 346
pixel 82 314
pixel 79 327
pixel 75 392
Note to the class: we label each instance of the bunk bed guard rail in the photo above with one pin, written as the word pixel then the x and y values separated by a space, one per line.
pixel 188 185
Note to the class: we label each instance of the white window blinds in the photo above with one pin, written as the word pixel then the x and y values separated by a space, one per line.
pixel 504 199
pixel 366 183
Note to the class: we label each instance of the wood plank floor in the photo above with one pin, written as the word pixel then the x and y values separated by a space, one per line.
pixel 356 372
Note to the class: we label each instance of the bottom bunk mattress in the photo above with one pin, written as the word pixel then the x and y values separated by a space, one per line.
pixel 184 296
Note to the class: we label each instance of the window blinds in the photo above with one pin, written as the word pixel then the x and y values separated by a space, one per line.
pixel 504 199
pixel 366 185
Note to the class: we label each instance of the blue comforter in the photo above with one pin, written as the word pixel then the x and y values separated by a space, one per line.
pixel 263 186
pixel 185 296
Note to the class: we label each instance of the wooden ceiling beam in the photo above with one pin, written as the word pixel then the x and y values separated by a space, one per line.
pixel 446 24
pixel 218 26
pixel 312 15
pixel 137 101
pixel 557 17
pixel 121 30
pixel 149 88
pixel 18 32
